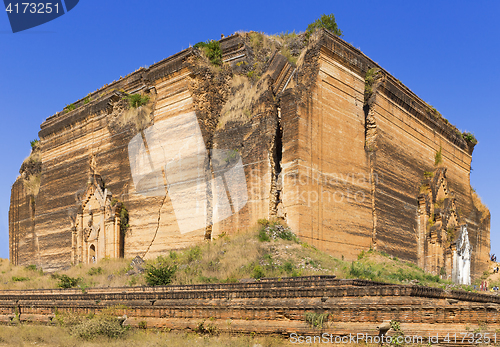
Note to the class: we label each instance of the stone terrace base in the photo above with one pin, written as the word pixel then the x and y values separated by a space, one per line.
pixel 274 306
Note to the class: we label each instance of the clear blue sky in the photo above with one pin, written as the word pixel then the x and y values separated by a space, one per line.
pixel 446 52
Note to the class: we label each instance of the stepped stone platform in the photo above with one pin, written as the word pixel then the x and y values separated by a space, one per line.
pixel 275 306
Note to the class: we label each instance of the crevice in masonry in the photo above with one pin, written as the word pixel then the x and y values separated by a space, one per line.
pixel 209 175
pixel 157 226
pixel 372 82
pixel 165 184
pixel 373 79
pixel 275 156
pixel 210 88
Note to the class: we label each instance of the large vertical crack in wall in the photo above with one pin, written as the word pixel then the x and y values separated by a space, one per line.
pixel 137 119
pixel 372 81
pixel 210 88
pixel 275 156
pixel 157 226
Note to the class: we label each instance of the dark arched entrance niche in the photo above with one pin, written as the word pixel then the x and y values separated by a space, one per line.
pixel 92 258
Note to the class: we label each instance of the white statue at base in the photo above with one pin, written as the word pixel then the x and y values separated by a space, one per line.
pixel 461 258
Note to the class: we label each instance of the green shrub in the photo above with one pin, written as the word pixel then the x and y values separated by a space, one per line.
pixel 268 258
pixel 87 99
pixel 258 272
pixel 132 281
pixel 469 137
pixel 402 275
pixel 208 279
pixel 397 331
pixel 194 254
pixel 358 270
pixel 316 319
pixel 370 77
pixel 212 51
pixel 69 108
pixel 31 267
pixel 428 174
pixel 263 237
pixel 99 326
pixel 66 319
pixel 263 222
pixel 95 271
pixel 34 144
pixel 274 230
pixel 450 234
pixel 210 329
pixel 67 282
pixel 136 100
pixel 142 324
pixel 124 220
pixel 160 274
pixel 286 234
pixel 313 264
pixel 438 158
pixel 430 221
pixel 325 21
pixel 288 267
pixel 19 279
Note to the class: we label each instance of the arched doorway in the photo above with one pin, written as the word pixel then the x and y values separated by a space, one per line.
pixel 92 257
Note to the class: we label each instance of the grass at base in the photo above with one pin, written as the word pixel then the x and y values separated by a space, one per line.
pixel 38 335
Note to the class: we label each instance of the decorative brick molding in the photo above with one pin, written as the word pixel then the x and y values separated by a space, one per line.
pixel 269 306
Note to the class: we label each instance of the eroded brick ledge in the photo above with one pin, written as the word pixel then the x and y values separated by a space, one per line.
pixel 270 306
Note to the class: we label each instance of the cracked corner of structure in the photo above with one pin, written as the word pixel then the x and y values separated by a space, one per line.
pixel 302 80
pixel 373 79
pixel 275 158
pixel 209 85
pixel 31 173
pixel 307 69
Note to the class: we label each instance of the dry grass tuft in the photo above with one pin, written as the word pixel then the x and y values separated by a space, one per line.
pixel 288 44
pixel 30 335
pixel 32 184
pixel 482 208
pixel 33 157
pixel 112 273
pixel 31 171
pixel 244 97
pixel 140 117
pixel 270 250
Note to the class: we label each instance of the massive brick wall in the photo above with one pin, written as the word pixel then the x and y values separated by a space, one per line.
pixel 70 140
pixel 22 239
pixel 343 169
pixel 349 184
pixel 326 177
